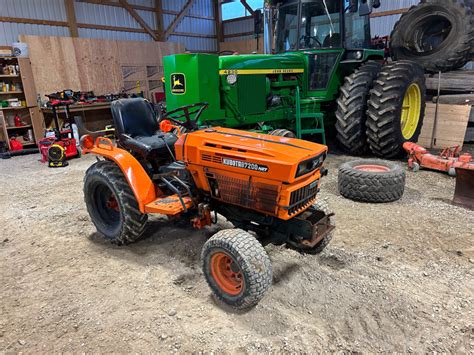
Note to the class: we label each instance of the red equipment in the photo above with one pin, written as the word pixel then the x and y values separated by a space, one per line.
pixel 62 137
pixel 450 160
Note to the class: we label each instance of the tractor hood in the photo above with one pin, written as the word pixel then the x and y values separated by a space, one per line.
pixel 248 64
pixel 262 155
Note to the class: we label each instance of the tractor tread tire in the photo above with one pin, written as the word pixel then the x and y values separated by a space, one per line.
pixel 252 259
pixel 351 111
pixel 384 133
pixel 374 187
pixel 132 221
pixel 282 133
pixel 457 49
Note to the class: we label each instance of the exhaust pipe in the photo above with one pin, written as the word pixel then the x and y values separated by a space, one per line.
pixel 267 30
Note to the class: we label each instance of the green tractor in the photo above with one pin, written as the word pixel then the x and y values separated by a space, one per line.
pixel 320 73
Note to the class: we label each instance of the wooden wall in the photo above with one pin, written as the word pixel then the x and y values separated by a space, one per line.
pixel 243 47
pixel 101 66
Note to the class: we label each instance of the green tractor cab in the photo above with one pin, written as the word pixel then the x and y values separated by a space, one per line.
pixel 318 75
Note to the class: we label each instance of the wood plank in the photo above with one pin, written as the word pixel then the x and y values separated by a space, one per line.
pixel 456 81
pixel 178 18
pixel 389 13
pixel 111 28
pixel 33 21
pixel 71 17
pixel 460 99
pixel 139 19
pixel 451 126
pixel 28 81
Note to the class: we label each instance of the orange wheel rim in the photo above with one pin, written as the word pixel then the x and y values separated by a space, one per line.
pixel 227 274
pixel 112 203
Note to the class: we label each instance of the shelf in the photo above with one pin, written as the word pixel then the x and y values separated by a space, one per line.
pixel 26 126
pixel 3 76
pixel 13 108
pixel 8 57
pixel 10 92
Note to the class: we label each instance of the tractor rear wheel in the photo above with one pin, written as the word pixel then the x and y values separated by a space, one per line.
pixel 237 268
pixel 282 133
pixel 437 34
pixel 351 111
pixel 111 203
pixel 396 108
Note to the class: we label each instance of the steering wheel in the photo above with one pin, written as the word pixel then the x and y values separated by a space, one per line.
pixel 307 40
pixel 227 52
pixel 186 111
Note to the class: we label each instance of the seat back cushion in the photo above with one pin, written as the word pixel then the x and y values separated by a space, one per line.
pixel 134 117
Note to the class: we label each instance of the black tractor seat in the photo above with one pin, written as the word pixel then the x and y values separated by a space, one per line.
pixel 137 129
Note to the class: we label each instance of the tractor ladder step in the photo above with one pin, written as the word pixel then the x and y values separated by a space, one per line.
pixel 169 205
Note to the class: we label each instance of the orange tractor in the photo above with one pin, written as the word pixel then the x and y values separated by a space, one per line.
pixel 266 186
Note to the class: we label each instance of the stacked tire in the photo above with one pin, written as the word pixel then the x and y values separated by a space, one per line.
pixel 437 34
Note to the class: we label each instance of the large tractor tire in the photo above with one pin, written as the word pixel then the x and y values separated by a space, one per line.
pixel 237 268
pixel 437 34
pixel 323 206
pixel 396 108
pixel 351 111
pixel 282 133
pixel 111 203
pixel 371 180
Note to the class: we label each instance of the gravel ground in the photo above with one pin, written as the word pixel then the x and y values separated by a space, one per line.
pixel 397 277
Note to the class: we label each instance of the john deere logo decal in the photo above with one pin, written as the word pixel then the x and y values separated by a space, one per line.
pixel 178 84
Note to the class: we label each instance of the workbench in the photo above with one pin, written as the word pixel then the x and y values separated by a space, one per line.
pixel 95 116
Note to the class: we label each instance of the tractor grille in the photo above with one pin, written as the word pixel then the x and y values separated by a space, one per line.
pixel 254 195
pixel 211 158
pixel 303 197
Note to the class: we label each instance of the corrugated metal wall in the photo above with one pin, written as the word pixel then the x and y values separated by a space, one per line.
pixel 87 13
pixel 380 26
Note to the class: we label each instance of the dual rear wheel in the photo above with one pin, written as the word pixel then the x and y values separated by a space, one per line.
pixel 380 108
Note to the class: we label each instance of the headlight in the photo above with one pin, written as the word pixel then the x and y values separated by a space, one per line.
pixel 310 165
pixel 231 79
pixel 358 55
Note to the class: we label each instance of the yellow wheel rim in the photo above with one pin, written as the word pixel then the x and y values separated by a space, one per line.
pixel 411 111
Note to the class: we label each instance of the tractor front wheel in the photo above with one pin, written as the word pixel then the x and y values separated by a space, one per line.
pixel 237 268
pixel 111 203
pixel 282 133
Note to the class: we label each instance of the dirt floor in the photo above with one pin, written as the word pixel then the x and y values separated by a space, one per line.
pixel 396 277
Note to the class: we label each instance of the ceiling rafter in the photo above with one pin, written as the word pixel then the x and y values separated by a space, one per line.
pixel 178 18
pixel 139 19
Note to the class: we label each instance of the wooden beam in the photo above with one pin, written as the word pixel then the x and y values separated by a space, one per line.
pixel 34 21
pixel 110 28
pixel 188 34
pixel 388 13
pixel 247 7
pixel 171 12
pixel 179 17
pixel 71 18
pixel 117 4
pixel 159 20
pixel 139 19
pixel 218 20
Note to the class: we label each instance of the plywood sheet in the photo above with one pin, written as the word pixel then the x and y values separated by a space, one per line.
pixel 243 47
pixel 451 125
pixel 85 64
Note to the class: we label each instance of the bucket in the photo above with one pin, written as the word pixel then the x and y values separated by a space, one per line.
pixel 20 49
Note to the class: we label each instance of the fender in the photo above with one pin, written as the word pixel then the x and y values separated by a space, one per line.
pixel 137 178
